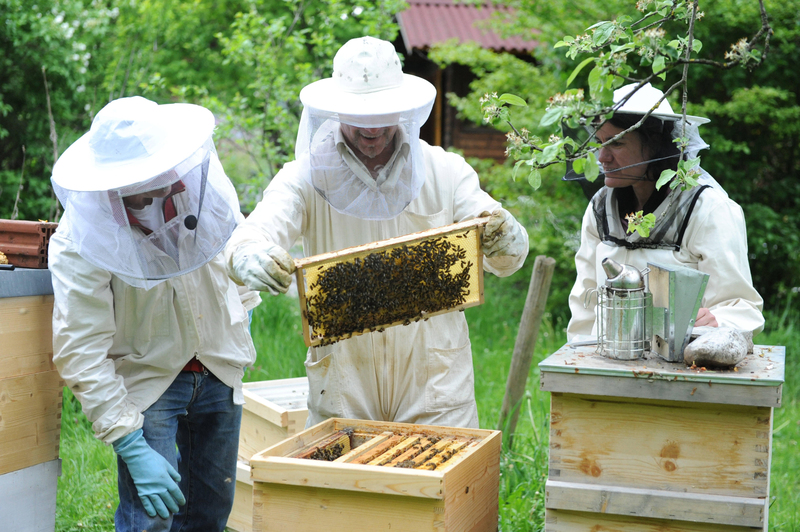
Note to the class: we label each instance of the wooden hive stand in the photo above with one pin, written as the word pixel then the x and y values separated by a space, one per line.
pixel 646 445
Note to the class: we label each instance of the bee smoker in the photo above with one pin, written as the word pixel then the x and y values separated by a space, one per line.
pixel 632 320
pixel 624 311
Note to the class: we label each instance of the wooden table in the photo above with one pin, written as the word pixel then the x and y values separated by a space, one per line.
pixel 649 445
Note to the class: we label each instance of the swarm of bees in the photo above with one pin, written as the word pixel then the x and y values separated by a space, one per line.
pixel 397 285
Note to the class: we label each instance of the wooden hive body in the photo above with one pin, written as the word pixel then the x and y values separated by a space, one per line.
pixel 639 446
pixel 297 494
pixel 31 393
pixel 273 410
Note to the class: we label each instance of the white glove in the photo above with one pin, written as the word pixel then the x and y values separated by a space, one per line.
pixel 503 235
pixel 266 269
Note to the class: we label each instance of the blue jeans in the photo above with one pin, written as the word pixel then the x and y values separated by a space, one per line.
pixel 195 426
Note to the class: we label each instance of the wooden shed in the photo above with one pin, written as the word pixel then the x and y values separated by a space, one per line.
pixel 428 22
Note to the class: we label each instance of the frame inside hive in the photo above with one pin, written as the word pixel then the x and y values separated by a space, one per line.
pixel 390 282
pixel 413 450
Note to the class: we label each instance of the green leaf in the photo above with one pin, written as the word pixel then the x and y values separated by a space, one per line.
pixel 535 178
pixel 600 84
pixel 549 153
pixel 578 69
pixel 602 33
pixel 591 170
pixel 697 45
pixel 664 178
pixel 551 116
pixel 516 168
pixel 658 66
pixel 674 43
pixel 512 99
pixel 578 165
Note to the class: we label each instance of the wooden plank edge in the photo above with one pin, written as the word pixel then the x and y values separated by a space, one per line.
pixel 657 504
pixel 677 390
pixel 403 239
pixel 350 477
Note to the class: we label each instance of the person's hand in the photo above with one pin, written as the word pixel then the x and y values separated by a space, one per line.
pixel 503 235
pixel 155 479
pixel 266 269
pixel 705 319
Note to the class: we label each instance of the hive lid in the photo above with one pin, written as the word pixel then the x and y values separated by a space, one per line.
pixel 757 380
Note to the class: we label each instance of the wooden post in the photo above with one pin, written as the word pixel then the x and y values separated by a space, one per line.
pixel 526 340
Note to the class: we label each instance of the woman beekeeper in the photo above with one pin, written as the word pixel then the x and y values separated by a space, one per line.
pixel 361 175
pixel 149 332
pixel 700 228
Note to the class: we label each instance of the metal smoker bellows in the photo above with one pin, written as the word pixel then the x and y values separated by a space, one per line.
pixel 632 320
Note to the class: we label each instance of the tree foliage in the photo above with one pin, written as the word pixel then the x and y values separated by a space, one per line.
pixel 245 59
pixel 753 131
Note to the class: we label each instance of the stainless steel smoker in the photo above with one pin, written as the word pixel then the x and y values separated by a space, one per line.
pixel 649 310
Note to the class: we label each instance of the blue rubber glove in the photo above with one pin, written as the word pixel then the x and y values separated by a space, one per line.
pixel 155 479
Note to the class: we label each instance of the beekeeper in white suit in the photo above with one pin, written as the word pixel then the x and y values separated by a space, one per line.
pixel 361 175
pixel 699 228
pixel 149 332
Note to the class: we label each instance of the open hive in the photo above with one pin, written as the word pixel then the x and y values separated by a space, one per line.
pixel 391 282
pixel 370 475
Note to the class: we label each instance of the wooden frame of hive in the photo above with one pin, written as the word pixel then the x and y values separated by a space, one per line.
pixel 297 494
pixel 309 269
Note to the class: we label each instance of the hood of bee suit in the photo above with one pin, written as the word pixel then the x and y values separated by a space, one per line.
pixel 367 89
pixel 135 147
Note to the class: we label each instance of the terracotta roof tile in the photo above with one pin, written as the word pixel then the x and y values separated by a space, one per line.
pixel 427 22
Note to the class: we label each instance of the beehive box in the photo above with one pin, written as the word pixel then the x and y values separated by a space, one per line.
pixel 382 476
pixel 650 445
pixel 30 388
pixel 272 411
pixel 241 516
pixel 391 282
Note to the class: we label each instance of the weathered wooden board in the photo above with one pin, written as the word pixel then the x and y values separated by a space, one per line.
pixel 26 335
pixel 696 507
pixel 756 381
pixel 30 420
pixel 661 445
pixel 567 521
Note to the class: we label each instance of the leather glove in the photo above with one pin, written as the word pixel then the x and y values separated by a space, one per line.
pixel 266 269
pixel 155 479
pixel 503 235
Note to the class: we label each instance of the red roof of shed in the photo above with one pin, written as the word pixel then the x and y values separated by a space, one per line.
pixel 427 22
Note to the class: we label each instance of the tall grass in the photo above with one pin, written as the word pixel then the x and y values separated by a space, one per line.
pixel 87 487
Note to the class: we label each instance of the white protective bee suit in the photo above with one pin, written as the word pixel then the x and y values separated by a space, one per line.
pixel 133 306
pixel 418 373
pixel 714 242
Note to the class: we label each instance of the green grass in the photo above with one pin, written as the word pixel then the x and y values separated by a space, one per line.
pixel 87 487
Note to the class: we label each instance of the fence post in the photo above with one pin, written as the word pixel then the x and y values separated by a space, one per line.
pixel 528 332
